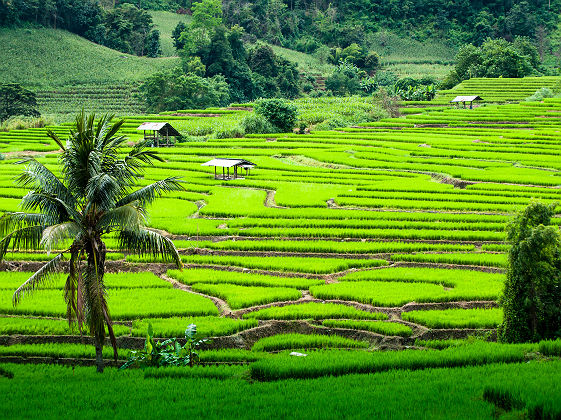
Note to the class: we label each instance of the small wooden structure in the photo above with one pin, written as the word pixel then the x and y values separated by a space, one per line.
pixel 465 99
pixel 159 132
pixel 237 165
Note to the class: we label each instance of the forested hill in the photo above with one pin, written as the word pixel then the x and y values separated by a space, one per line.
pixel 347 21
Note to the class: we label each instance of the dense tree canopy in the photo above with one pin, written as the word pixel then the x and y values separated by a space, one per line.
pixel 532 292
pixel 495 58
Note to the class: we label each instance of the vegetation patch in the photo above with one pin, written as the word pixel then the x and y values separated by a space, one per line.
pixel 304 341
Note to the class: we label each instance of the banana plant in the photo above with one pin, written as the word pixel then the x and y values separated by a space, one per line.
pixel 167 353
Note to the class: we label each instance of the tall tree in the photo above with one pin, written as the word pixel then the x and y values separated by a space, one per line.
pixel 94 197
pixel 15 100
pixel 532 293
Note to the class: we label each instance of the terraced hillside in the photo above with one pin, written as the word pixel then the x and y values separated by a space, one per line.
pixel 111 98
pixel 382 236
pixel 500 89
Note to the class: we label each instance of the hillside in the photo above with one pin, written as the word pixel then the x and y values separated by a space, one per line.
pixel 166 22
pixel 60 58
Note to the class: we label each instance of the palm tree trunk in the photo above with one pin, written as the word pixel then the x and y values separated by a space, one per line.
pixel 99 355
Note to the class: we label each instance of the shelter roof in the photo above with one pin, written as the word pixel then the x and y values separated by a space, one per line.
pixel 467 98
pixel 162 127
pixel 227 162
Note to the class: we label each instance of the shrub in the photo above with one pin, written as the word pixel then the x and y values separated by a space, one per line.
pixel 279 112
pixel 253 123
pixel 540 94
pixel 332 123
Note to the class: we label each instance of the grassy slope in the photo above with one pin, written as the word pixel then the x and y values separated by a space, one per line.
pixel 403 56
pixel 166 22
pixel 44 58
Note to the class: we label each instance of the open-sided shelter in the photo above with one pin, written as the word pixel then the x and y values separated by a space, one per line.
pixel 237 165
pixel 465 99
pixel 158 132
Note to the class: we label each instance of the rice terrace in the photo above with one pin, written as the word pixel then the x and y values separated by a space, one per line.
pixel 280 209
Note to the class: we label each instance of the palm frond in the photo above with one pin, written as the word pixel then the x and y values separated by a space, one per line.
pixel 128 216
pixel 50 205
pixel 15 220
pixel 149 193
pixel 55 234
pixel 44 275
pixel 148 242
pixel 102 191
pixel 21 231
pixel 56 138
pixel 37 177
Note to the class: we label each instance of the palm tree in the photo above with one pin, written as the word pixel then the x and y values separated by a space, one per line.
pixel 94 197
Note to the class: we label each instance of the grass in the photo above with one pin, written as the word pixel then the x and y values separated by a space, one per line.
pixel 313 310
pixel 59 351
pixel 165 22
pixel 201 275
pixel 436 393
pixel 124 303
pixel 384 328
pixel 289 264
pixel 207 326
pixel 38 326
pixel 336 363
pixel 245 296
pixel 456 318
pixel 305 341
pixel 481 259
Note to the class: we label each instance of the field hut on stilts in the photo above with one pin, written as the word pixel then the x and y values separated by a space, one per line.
pixel 159 133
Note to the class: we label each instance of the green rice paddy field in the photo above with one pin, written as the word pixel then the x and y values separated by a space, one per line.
pixel 377 249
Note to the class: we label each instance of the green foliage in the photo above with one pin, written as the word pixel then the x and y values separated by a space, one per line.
pixel 532 293
pixel 254 123
pixel 345 80
pixel 540 95
pixel 173 90
pixel 130 30
pixel 550 348
pixel 166 353
pixel 404 394
pixel 333 362
pixel 280 77
pixel 279 112
pixel 305 341
pixel 15 100
pixel 495 58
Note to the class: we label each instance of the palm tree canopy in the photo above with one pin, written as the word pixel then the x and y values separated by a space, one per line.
pixel 94 196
